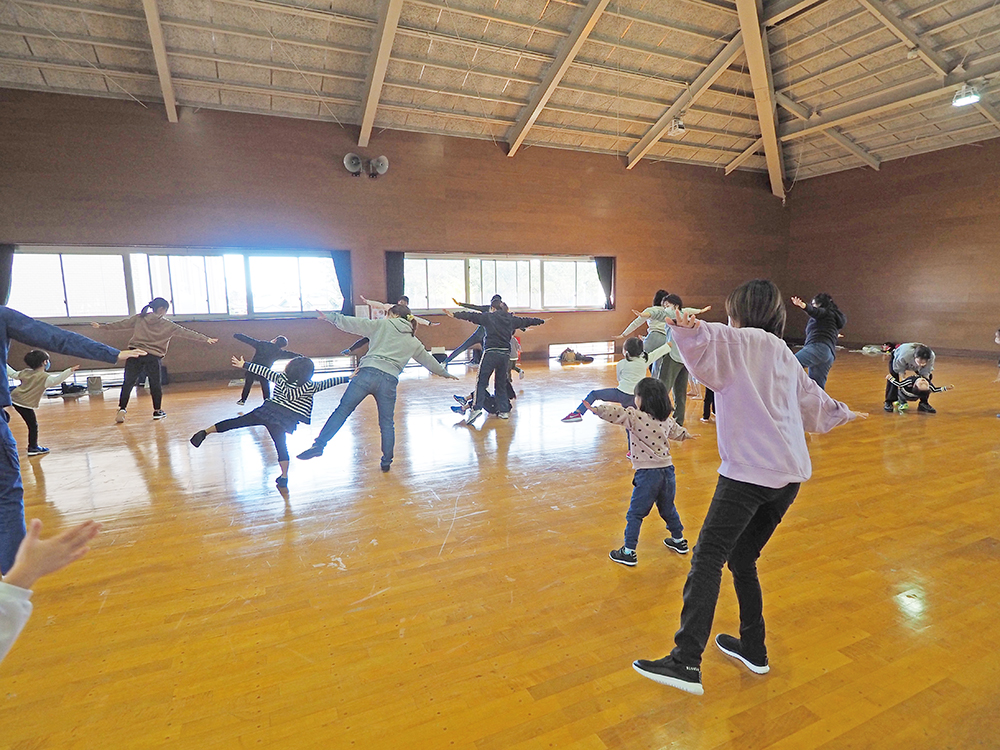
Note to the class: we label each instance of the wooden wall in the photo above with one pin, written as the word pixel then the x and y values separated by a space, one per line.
pixel 911 253
pixel 98 171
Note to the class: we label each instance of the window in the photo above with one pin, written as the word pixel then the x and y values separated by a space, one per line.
pixel 70 285
pixel 283 284
pixel 523 282
pixel 116 282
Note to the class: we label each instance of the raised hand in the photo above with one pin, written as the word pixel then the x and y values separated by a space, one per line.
pixel 798 302
pixel 212 341
pixel 238 362
pixel 684 320
pixel 74 368
pixel 38 557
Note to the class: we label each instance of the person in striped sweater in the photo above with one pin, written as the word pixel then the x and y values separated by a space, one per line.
pixel 291 404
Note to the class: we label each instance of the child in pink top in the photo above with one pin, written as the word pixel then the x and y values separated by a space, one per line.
pixel 650 428
pixel 766 405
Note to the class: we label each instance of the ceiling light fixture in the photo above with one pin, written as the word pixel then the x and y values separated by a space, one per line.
pixel 965 96
pixel 676 127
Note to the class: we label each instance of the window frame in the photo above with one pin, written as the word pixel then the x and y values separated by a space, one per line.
pixel 466 257
pixel 125 252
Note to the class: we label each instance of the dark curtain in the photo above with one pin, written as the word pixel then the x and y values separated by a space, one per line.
pixel 6 266
pixel 393 277
pixel 342 264
pixel 606 274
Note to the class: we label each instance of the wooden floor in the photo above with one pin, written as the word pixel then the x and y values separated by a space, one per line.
pixel 466 599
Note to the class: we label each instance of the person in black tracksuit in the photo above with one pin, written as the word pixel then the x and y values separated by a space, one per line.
pixel 822 330
pixel 265 354
pixel 499 325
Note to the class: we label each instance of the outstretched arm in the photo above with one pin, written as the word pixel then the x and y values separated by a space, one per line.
pixel 375 304
pixel 523 323
pixel 350 323
pixel 58 377
pixel 44 336
pixel 470 306
pixel 247 340
pixel 186 333
pixel 264 372
pixel 425 358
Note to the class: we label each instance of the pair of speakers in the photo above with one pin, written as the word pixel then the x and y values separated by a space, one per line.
pixel 375 167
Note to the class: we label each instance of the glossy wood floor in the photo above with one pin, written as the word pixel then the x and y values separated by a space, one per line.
pixel 466 599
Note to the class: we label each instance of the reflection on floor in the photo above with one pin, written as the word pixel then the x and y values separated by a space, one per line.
pixel 465 599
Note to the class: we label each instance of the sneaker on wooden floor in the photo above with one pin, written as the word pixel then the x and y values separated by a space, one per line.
pixel 731 646
pixel 667 671
pixel 623 556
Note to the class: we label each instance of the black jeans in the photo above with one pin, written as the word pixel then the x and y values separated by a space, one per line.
pixel 740 521
pixel 277 434
pixel 249 379
pixel 709 407
pixel 133 368
pixel 496 362
pixel 28 415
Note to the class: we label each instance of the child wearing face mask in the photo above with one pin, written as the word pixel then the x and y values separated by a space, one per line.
pixel 26 397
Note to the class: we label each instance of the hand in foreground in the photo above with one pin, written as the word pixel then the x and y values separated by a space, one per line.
pixel 39 557
pixel 798 302
pixel 238 362
pixel 212 341
pixel 130 353
pixel 684 320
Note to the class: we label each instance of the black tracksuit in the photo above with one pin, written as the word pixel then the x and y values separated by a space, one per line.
pixel 265 353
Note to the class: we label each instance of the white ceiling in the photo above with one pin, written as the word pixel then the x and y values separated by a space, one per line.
pixel 870 80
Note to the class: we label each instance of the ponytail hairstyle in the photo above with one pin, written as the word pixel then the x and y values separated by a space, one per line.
pixel 154 304
pixel 655 401
pixel 403 312
pixel 633 348
pixel 757 304
pixel 659 297
pixel 299 370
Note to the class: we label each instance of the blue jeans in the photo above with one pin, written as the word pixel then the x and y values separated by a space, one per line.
pixel 654 340
pixel 369 381
pixel 740 521
pixel 478 337
pixel 606 394
pixel 652 487
pixel 819 359
pixel 12 528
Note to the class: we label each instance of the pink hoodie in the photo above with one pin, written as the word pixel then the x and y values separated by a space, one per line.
pixel 765 401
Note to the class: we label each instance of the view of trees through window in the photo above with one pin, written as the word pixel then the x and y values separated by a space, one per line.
pixel 52 284
pixel 524 283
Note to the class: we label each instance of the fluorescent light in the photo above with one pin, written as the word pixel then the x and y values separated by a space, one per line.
pixel 965 96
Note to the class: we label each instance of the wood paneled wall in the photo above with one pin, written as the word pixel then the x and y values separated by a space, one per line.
pixel 98 171
pixel 911 253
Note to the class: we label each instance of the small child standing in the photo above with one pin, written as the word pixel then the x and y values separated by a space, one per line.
pixel 650 427
pixel 292 403
pixel 28 395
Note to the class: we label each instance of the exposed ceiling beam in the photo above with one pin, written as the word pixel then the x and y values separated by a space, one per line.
pixel 759 63
pixel 585 21
pixel 160 55
pixel 778 11
pixel 804 113
pixel 910 93
pixel 892 22
pixel 385 33
pixel 738 161
pixel 690 95
pixel 989 111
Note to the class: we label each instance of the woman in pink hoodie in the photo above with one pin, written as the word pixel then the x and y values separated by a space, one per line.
pixel 766 405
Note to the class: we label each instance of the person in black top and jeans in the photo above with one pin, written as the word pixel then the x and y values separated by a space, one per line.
pixel 265 353
pixel 820 350
pixel 499 325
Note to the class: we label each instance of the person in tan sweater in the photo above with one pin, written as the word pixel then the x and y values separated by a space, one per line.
pixel 26 397
pixel 151 332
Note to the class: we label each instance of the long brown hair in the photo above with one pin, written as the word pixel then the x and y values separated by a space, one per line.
pixel 404 312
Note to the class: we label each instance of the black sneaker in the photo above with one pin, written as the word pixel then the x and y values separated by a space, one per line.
pixel 887 406
pixel 38 450
pixel 666 671
pixel 385 468
pixel 680 546
pixel 159 414
pixel 625 558
pixel 308 453
pixel 198 438
pixel 731 647
pixel 927 409
pixel 281 481
pixel 241 402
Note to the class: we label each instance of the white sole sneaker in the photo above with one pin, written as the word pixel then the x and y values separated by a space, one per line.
pixel 120 416
pixel 755 668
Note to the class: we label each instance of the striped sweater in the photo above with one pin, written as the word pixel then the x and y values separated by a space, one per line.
pixel 297 398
